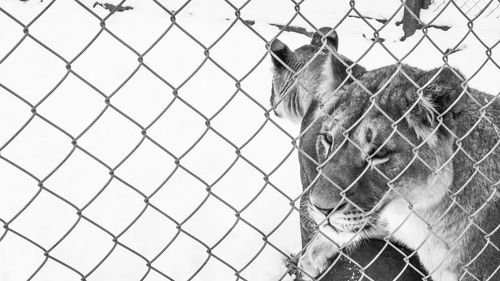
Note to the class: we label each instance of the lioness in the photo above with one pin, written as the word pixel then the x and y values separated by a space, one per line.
pixel 410 156
pixel 309 74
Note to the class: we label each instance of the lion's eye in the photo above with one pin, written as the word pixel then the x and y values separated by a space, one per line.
pixel 328 138
pixel 379 156
pixel 381 153
pixel 324 145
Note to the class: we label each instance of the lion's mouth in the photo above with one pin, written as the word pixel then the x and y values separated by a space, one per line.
pixel 350 227
pixel 342 223
pixel 344 219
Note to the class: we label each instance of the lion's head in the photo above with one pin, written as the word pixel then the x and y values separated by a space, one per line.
pixel 389 136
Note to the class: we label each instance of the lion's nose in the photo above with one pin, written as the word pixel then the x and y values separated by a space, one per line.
pixel 328 211
pixel 325 212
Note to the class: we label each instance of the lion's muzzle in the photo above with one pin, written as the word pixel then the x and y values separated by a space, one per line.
pixel 344 218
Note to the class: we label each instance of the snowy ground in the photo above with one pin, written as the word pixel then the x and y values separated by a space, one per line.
pixel 32 72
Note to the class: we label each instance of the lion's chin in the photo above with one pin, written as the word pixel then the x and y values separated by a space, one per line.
pixel 345 234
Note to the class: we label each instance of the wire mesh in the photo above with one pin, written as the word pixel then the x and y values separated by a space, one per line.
pixel 361 270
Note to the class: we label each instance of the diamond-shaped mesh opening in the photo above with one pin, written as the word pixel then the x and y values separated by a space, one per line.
pixel 201 222
pixel 11 123
pixel 143 106
pixel 217 157
pixel 20 64
pixel 38 155
pixel 111 143
pixel 120 204
pixel 84 248
pixel 162 57
pixel 79 179
pixel 76 27
pixel 73 106
pixel 250 140
pixel 179 120
pixel 182 257
pixel 180 186
pixel 16 191
pixel 150 233
pixel 22 257
pixel 48 230
pixel 147 169
pixel 11 39
pixel 111 268
pixel 130 28
pixel 121 62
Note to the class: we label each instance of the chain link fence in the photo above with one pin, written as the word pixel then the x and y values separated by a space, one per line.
pixel 108 219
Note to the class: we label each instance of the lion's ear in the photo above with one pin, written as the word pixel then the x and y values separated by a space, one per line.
pixel 281 55
pixel 334 69
pixel 439 102
pixel 332 40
